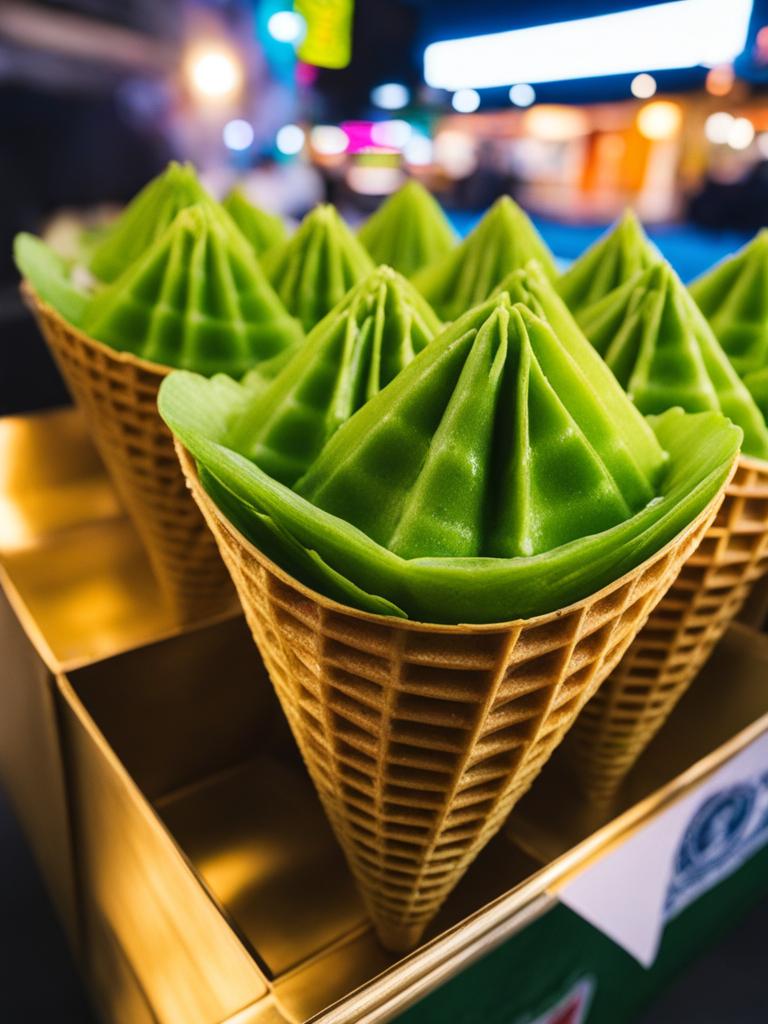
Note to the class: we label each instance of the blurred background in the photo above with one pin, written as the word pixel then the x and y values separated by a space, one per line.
pixel 576 109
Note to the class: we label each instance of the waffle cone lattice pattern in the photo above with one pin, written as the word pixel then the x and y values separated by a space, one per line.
pixel 117 393
pixel 420 739
pixel 668 653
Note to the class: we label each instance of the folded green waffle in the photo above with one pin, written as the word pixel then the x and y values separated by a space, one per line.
pixel 263 230
pixel 314 269
pixel 145 218
pixel 663 352
pixel 504 240
pixel 734 298
pixel 487 482
pixel 197 298
pixel 408 231
pixel 358 348
pixel 614 259
pixel 757 385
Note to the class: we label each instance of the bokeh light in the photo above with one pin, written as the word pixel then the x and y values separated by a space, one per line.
pixel 329 139
pixel 238 134
pixel 522 95
pixel 390 96
pixel 660 120
pixel 465 101
pixel 286 26
pixel 290 139
pixel 392 134
pixel 556 123
pixel 418 150
pixel 741 133
pixel 717 126
pixel 214 74
pixel 643 86
pixel 719 80
pixel 455 152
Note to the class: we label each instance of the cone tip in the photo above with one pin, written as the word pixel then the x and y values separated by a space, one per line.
pixel 397 937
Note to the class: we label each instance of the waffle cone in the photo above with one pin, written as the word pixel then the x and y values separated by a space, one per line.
pixel 117 393
pixel 622 718
pixel 421 738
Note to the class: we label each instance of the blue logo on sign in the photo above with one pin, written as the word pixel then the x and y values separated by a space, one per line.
pixel 725 830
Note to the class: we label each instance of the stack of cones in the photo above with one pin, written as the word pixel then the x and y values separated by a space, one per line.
pixel 634 702
pixel 117 393
pixel 421 738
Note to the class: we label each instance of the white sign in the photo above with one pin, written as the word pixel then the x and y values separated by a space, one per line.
pixel 633 890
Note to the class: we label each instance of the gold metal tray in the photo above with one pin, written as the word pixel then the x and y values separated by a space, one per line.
pixel 188 851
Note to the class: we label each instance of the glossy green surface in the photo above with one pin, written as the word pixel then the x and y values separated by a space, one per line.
pixel 197 299
pixel 734 298
pixel 145 218
pixel 263 230
pixel 408 231
pixel 314 269
pixel 757 385
pixel 614 259
pixel 484 484
pixel 629 429
pixel 494 444
pixel 357 349
pixel 663 352
pixel 504 240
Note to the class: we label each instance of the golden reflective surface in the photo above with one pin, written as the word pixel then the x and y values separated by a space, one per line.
pixel 211 753
pixel 212 888
pixel 74 568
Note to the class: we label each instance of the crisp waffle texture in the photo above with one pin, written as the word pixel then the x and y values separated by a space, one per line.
pixel 420 739
pixel 117 392
pixel 665 657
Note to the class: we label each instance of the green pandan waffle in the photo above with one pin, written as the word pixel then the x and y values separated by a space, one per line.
pixel 613 260
pixel 664 354
pixel 357 349
pixel 757 385
pixel 487 482
pixel 408 231
pixel 734 298
pixel 196 299
pixel 145 218
pixel 314 269
pixel 504 240
pixel 263 230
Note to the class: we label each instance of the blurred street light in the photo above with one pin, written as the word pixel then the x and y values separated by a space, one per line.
pixel 717 127
pixel 522 95
pixel 643 86
pixel 390 96
pixel 329 139
pixel 465 101
pixel 290 139
pixel 659 120
pixel 238 134
pixel 741 133
pixel 214 73
pixel 286 26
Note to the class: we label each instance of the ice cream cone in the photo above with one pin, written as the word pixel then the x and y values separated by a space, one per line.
pixel 421 738
pixel 663 660
pixel 117 393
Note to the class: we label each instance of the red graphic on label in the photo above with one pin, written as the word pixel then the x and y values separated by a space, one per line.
pixel 572 1008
